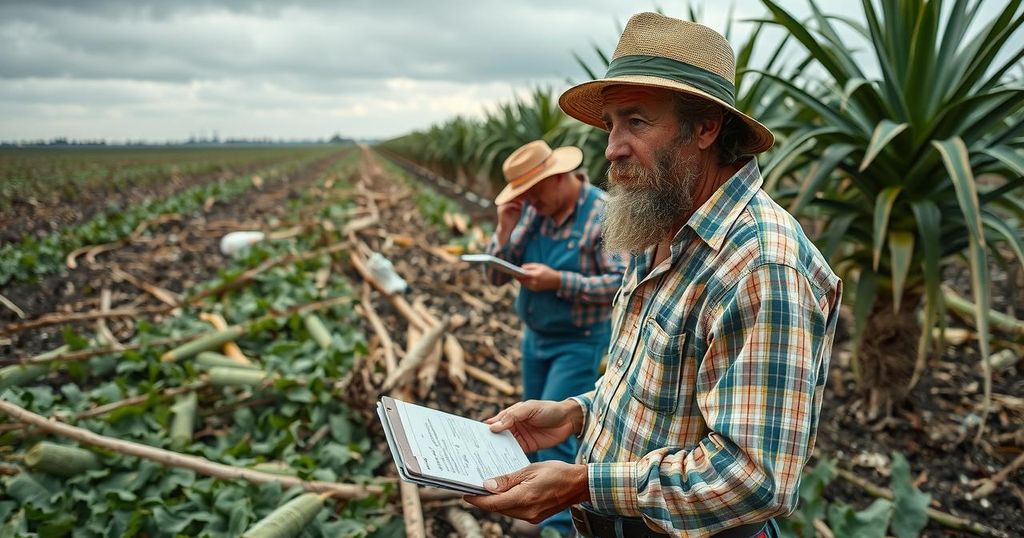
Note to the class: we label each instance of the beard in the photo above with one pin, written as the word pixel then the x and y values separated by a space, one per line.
pixel 643 204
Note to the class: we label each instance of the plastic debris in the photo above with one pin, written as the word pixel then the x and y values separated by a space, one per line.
pixel 235 242
pixel 384 272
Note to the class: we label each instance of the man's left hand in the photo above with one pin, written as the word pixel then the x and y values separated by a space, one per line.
pixel 536 491
pixel 540 277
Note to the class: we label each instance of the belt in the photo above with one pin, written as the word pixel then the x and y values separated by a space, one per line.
pixel 594 525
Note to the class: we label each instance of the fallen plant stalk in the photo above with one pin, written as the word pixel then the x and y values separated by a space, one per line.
pixel 200 465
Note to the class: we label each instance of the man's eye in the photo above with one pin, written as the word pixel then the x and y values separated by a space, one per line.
pixel 636 122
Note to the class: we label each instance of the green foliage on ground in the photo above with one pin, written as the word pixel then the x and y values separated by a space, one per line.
pixel 128 496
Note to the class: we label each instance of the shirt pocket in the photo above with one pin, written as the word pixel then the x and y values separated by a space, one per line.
pixel 655 378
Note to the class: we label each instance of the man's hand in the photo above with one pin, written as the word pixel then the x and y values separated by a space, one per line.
pixel 536 491
pixel 508 215
pixel 539 277
pixel 538 424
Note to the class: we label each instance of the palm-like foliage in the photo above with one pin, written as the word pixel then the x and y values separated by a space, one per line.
pixel 467 150
pixel 911 168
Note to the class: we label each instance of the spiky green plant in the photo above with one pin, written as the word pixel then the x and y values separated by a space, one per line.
pixel 910 161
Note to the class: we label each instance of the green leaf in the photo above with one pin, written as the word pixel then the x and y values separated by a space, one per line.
pixel 869 523
pixel 957 163
pixel 911 505
pixel 885 131
pixel 901 250
pixel 33 488
pixel 1014 160
pixel 864 302
pixel 929 223
pixel 820 171
pixel 883 209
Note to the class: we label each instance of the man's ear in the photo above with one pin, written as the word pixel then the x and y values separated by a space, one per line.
pixel 705 132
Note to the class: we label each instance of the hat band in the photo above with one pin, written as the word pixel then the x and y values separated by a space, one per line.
pixel 526 176
pixel 667 68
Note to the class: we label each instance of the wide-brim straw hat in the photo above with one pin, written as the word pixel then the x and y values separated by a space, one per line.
pixel 663 52
pixel 533 162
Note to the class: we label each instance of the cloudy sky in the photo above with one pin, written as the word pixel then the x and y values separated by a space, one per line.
pixel 157 70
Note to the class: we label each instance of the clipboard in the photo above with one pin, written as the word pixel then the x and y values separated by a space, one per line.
pixel 495 262
pixel 405 460
pixel 408 462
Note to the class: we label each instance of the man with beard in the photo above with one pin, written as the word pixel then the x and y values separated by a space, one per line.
pixel 722 329
pixel 549 222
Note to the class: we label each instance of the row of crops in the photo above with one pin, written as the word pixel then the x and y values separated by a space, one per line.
pixel 54 176
pixel 274 409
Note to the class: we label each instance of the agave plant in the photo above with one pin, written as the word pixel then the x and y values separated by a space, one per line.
pixel 907 170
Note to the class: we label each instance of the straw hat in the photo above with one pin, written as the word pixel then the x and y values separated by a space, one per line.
pixel 663 52
pixel 533 162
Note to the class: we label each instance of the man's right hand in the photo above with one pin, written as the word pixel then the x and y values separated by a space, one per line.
pixel 508 215
pixel 538 424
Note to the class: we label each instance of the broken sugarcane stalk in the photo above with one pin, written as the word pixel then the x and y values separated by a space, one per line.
pixel 221 376
pixel 206 342
pixel 209 359
pixel 966 310
pixel 390 363
pixel 17 375
pixel 412 510
pixel 288 520
pixel 163 295
pixel 360 224
pixel 184 419
pixel 56 355
pixel 60 460
pixel 427 371
pixel 211 340
pixel 468 299
pixel 416 354
pixel 101 324
pixel 200 465
pixel 57 318
pixel 463 522
pixel 230 349
pixel 12 307
pixel 503 387
pixel 316 328
pixel 942 518
pixel 456 361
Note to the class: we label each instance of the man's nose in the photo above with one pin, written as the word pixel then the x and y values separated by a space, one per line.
pixel 618 147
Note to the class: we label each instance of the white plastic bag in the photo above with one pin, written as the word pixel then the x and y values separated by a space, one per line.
pixel 235 242
pixel 384 273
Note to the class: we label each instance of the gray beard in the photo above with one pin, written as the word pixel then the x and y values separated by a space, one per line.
pixel 644 204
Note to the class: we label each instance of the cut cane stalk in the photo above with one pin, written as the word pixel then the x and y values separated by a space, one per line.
pixel 288 520
pixel 317 330
pixel 206 342
pixel 60 460
pixel 210 359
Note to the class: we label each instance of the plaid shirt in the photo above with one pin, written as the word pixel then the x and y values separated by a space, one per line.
pixel 592 289
pixel 708 409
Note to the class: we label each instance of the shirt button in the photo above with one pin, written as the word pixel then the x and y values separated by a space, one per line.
pixel 621 362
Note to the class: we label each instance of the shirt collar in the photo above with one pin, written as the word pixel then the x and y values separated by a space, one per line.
pixel 714 218
pixel 584 191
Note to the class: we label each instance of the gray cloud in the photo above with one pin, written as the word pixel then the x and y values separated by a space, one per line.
pixel 155 69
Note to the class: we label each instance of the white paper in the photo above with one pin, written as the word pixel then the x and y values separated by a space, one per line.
pixel 450 447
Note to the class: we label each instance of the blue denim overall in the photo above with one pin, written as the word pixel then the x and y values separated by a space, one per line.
pixel 560 359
